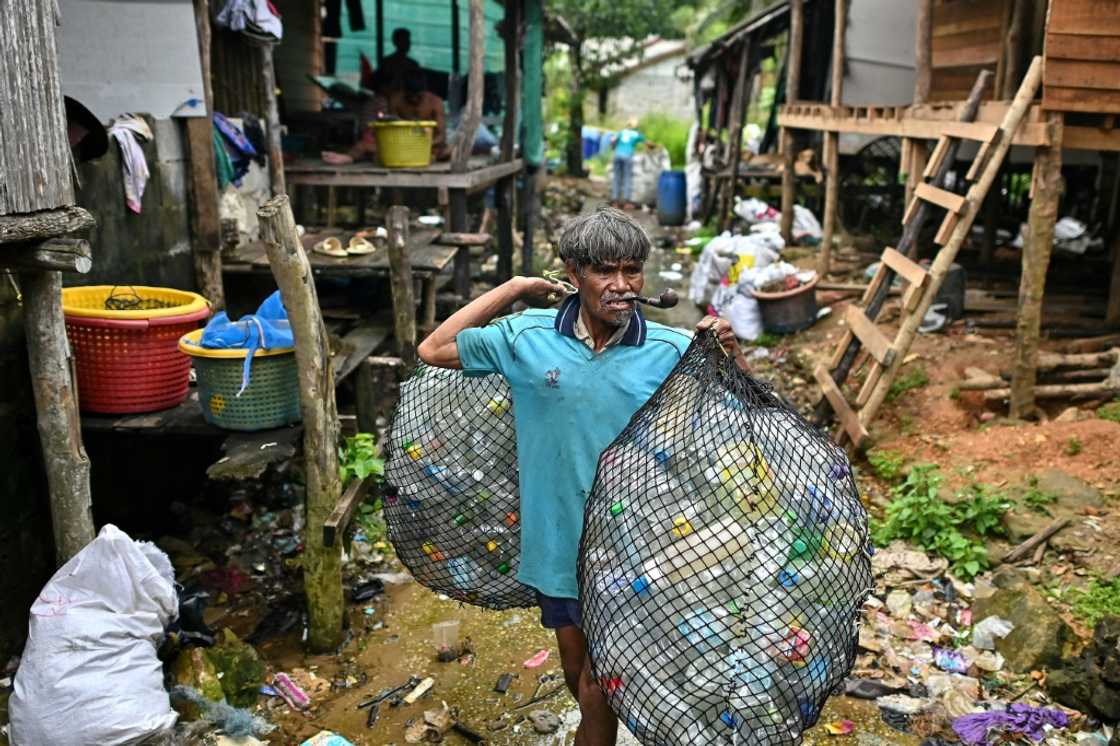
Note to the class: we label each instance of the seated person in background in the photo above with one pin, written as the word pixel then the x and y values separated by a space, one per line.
pixel 366 147
pixel 395 68
pixel 415 102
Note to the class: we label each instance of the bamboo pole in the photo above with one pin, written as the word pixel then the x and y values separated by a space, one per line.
pixel 400 280
pixel 1036 260
pixel 944 259
pixel 322 565
pixel 56 405
pixel 793 87
pixel 832 142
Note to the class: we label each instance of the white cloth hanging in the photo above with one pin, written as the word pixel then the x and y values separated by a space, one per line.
pixel 129 131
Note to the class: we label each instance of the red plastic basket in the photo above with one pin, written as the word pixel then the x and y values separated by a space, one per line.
pixel 133 365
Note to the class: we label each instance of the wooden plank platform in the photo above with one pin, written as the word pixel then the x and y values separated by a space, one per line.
pixel 481 171
pixel 927 122
pixel 427 257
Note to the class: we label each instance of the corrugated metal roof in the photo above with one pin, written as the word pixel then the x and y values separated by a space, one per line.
pixel 430 24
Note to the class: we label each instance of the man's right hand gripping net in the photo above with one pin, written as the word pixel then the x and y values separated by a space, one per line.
pixel 452 504
pixel 724 561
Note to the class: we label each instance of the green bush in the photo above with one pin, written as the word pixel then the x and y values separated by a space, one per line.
pixel 914 378
pixel 668 131
pixel 1099 599
pixel 956 531
pixel 1110 411
pixel 886 464
pixel 357 458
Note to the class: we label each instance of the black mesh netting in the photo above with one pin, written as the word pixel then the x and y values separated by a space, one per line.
pixel 724 560
pixel 451 500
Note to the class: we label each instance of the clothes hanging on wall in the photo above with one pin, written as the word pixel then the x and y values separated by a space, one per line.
pixel 256 18
pixel 129 131
pixel 239 151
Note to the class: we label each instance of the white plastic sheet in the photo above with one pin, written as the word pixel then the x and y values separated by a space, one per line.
pixel 89 673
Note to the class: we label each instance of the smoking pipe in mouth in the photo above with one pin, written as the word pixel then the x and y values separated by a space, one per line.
pixel 667 299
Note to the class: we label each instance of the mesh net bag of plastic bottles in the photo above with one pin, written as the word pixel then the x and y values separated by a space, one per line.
pixel 723 563
pixel 451 500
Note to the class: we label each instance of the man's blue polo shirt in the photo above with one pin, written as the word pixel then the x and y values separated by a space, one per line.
pixel 569 403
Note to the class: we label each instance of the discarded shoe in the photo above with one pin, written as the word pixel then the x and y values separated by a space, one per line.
pixel 360 247
pixel 330 247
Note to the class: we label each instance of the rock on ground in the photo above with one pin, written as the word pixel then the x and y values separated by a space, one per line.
pixel 1040 638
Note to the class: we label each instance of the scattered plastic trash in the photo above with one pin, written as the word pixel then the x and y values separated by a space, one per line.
pixel 983 728
pixel 987 631
pixel 950 660
pixel 537 659
pixel 289 692
pixel 445 637
pixel 366 591
pixel 234 721
pixel 89 672
pixel 839 727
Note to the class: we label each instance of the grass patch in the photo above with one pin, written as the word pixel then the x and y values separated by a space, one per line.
pixel 1036 499
pixel 1073 446
pixel 955 393
pixel 1110 411
pixel 768 339
pixel 887 465
pixel 1097 600
pixel 914 378
pixel 956 531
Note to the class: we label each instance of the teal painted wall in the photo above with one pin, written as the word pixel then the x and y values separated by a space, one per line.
pixel 430 24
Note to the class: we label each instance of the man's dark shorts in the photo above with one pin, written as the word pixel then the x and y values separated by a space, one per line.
pixel 558 612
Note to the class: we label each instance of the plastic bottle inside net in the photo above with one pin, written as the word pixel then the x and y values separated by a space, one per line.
pixel 723 563
pixel 452 506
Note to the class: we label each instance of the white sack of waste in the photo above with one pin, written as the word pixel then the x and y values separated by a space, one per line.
pixel 89 673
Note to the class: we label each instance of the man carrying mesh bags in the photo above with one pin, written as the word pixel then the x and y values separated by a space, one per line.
pixel 577 375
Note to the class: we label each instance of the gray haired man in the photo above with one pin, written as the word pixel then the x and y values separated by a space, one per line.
pixel 577 374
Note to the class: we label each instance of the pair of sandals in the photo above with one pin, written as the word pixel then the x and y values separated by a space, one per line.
pixel 358 246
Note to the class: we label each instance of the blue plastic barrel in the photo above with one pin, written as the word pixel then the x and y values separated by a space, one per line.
pixel 671 198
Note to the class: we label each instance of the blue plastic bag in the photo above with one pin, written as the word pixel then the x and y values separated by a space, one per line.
pixel 267 329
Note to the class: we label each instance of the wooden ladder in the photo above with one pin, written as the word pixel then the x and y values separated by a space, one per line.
pixel 920 286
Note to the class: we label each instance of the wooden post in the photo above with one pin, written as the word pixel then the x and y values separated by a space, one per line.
pixel 400 279
pixel 735 131
pixel 205 228
pixel 1036 260
pixel 272 118
pixel 322 565
pixel 793 87
pixel 468 123
pixel 461 149
pixel 1112 314
pixel 832 142
pixel 1013 49
pixel 917 151
pixel 504 191
pixel 56 403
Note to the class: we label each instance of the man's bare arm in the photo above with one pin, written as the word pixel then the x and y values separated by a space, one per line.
pixel 439 348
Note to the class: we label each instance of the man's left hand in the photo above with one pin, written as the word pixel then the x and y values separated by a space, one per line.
pixel 727 338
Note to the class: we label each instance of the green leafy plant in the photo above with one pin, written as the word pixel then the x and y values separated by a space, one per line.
pixel 1073 446
pixel 1036 499
pixel 768 339
pixel 668 131
pixel 917 514
pixel 914 378
pixel 357 458
pixel 886 464
pixel 1097 600
pixel 1110 411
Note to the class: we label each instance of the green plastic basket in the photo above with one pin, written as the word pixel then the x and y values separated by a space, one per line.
pixel 270 400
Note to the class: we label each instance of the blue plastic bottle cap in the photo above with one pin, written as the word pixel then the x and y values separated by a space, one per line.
pixel 727 718
pixel 787 579
pixel 661 457
pixel 640 585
